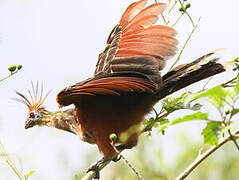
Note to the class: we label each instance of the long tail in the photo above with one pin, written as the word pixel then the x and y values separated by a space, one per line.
pixel 187 74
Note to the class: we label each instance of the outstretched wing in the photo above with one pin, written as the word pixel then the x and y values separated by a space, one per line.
pixel 112 85
pixel 135 52
pixel 136 36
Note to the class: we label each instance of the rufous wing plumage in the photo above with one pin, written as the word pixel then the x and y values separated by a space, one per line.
pixel 135 47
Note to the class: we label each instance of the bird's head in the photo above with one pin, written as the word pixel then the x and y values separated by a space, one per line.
pixel 35 106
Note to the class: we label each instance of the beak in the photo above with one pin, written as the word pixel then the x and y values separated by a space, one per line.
pixel 29 124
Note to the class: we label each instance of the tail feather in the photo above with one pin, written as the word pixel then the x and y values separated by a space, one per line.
pixel 183 76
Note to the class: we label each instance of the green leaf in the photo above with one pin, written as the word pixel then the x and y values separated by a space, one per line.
pixel 236 88
pixel 195 116
pixel 157 124
pixel 171 104
pixel 195 107
pixel 162 128
pixel 234 111
pixel 163 121
pixel 217 96
pixel 29 174
pixel 148 121
pixel 212 132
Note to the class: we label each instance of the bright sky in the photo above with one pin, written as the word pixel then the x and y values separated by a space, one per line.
pixel 58 42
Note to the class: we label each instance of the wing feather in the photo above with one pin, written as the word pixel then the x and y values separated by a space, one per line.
pixel 142 23
pixel 162 49
pixel 153 10
pixel 161 29
pixel 114 86
pixel 131 12
pixel 135 35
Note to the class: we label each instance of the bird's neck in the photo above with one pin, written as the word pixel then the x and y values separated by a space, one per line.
pixel 63 120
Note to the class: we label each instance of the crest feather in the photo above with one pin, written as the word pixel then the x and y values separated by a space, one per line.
pixel 35 99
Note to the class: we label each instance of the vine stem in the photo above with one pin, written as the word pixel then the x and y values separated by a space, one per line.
pixel 202 156
pixel 10 163
pixel 178 19
pixel 184 45
pixel 127 162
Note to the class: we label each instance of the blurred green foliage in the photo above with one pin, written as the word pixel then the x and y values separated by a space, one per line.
pixel 222 165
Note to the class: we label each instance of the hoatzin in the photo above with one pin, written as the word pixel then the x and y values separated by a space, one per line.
pixel 126 84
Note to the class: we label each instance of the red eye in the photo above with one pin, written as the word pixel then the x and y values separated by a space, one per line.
pixel 32 115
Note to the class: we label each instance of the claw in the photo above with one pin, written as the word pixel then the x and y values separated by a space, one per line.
pixel 116 158
pixel 95 168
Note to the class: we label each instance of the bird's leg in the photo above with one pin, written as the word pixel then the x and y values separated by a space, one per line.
pixel 95 167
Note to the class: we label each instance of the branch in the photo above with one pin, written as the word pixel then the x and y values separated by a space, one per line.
pixel 101 164
pixel 10 163
pixel 202 156
pixel 9 76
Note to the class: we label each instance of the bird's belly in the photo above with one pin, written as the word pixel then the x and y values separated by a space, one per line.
pixel 102 115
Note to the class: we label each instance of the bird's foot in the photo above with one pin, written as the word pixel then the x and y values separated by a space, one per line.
pixel 116 158
pixel 95 168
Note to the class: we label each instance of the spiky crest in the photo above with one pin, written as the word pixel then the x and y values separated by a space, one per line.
pixel 36 98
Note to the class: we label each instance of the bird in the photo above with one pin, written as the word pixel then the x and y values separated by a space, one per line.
pixel 126 84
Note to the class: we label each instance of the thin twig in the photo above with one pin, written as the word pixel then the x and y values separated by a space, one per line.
pixel 10 163
pixel 181 51
pixel 203 156
pixel 204 87
pixel 127 162
pixel 228 121
pixel 178 20
pixel 149 126
pixel 164 19
pixel 233 139
pixel 169 11
pixel 225 84
pixel 228 82
pixel 9 76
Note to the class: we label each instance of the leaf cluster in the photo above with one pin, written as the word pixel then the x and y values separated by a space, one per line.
pixel 223 99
